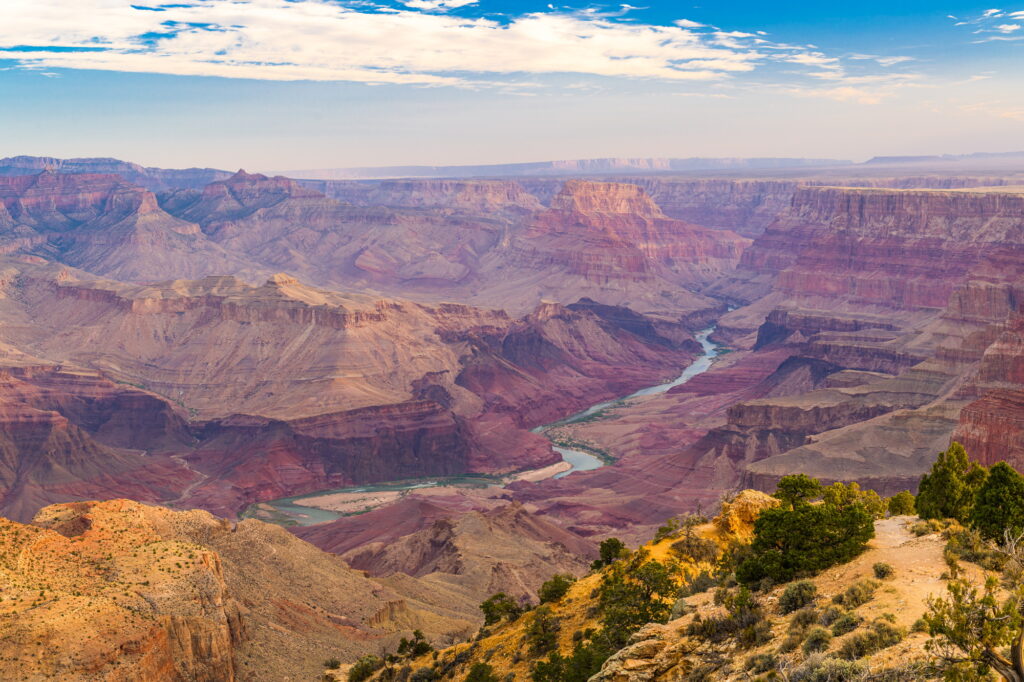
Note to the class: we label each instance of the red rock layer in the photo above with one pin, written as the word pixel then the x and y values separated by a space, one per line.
pixel 991 428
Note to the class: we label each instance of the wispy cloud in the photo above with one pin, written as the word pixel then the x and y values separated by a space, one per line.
pixel 421 42
pixel 993 25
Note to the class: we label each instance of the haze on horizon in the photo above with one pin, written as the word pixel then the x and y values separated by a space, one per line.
pixel 300 84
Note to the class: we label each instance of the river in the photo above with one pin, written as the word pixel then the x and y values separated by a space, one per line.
pixel 285 510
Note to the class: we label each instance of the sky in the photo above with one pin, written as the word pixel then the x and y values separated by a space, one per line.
pixel 304 84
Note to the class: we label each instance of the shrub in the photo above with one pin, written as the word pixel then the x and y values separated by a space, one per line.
pixel 791 642
pixel 819 668
pixel 857 594
pixel 697 584
pixel 927 527
pixel 744 621
pixel 901 504
pixel 883 570
pixel 365 667
pixel 830 615
pixel 844 495
pixel 555 588
pixel 879 635
pixel 968 545
pixel 761 663
pixel 949 490
pixel 634 593
pixel 797 595
pixel 424 674
pixel 332 664
pixel 670 528
pixel 542 632
pixel 803 618
pixel 481 672
pixel 846 623
pixel 611 550
pixel 695 548
pixel 817 639
pixel 499 606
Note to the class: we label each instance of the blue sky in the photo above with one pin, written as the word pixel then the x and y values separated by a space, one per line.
pixel 296 84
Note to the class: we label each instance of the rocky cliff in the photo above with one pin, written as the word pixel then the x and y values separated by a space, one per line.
pixel 231 393
pixel 122 591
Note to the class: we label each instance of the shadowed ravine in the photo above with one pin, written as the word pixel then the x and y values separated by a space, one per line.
pixel 288 511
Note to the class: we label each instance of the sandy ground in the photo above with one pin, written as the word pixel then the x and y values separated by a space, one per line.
pixel 351 503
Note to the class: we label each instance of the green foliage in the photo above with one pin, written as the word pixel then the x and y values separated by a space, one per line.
pixel 797 595
pixel 999 504
pixel 797 489
pixel 949 490
pixel 670 528
pixel 611 550
pixel 963 544
pixel 830 615
pixel 365 667
pixel 415 647
pixel 633 593
pixel 843 495
pixel 857 594
pixel 744 620
pixel 803 618
pixel 499 606
pixel 902 504
pixel 692 547
pixel 700 582
pixel 424 674
pixel 820 668
pixel 332 664
pixel 584 662
pixel 817 639
pixel 803 539
pixel 846 623
pixel 971 628
pixel 883 570
pixel 761 663
pixel 555 587
pixel 542 632
pixel 481 672
pixel 878 635
pixel 928 527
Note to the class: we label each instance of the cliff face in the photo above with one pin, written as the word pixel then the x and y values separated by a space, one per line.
pixel 474 196
pixel 609 231
pixel 283 389
pixel 153 179
pixel 122 591
pixel 106 225
pixel 495 547
pixel 903 249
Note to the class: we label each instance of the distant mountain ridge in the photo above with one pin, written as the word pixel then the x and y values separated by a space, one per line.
pixel 153 179
pixel 562 167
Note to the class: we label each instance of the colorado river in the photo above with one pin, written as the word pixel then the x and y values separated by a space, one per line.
pixel 286 509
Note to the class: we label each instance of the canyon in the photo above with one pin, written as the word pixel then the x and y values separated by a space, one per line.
pixel 203 340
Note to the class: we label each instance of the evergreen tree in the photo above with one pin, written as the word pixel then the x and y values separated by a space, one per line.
pixel 948 492
pixel 805 538
pixel 797 488
pixel 999 505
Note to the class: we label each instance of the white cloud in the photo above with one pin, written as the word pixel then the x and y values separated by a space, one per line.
pixel 437 5
pixel 425 43
pixel 321 40
pixel 1008 28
